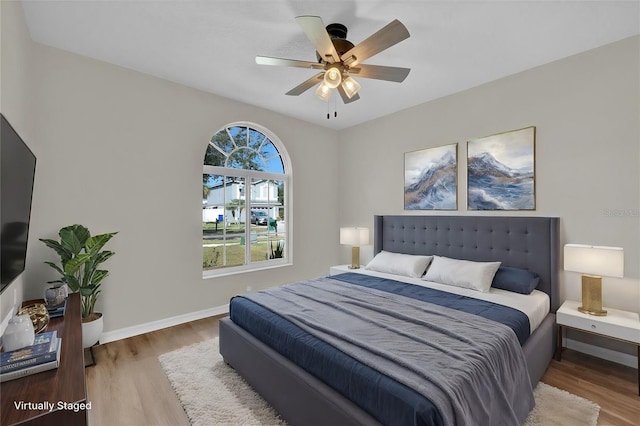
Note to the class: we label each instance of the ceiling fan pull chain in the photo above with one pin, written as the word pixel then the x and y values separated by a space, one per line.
pixel 328 114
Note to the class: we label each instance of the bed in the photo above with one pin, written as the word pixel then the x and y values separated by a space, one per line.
pixel 530 243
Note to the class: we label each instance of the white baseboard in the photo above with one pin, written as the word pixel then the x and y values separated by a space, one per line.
pixel 136 330
pixel 604 353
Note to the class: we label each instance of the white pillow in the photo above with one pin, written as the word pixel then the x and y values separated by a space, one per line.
pixel 408 265
pixel 462 273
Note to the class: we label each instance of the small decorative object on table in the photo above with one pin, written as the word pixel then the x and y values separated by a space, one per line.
pixel 38 314
pixel 57 311
pixel 56 295
pixel 18 334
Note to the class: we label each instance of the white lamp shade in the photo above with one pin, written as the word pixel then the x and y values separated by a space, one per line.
pixel 354 236
pixel 594 260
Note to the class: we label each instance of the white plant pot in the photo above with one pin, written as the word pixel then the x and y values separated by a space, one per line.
pixel 91 331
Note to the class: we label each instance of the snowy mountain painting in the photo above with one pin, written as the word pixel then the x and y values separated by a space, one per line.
pixel 501 171
pixel 430 179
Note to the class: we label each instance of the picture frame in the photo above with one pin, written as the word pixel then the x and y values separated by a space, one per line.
pixel 501 171
pixel 431 178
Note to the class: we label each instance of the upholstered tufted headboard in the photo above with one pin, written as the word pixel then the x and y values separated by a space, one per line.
pixel 530 243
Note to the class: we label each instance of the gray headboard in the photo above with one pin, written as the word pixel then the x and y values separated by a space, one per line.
pixel 530 243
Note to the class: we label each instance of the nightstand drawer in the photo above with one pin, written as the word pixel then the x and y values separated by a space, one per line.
pixel 617 324
pixel 598 327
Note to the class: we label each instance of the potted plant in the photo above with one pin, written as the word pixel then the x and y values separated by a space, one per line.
pixel 80 255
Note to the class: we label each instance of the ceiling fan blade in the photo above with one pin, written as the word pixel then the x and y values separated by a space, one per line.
pixel 344 96
pixel 279 62
pixel 391 34
pixel 380 72
pixel 315 30
pixel 306 85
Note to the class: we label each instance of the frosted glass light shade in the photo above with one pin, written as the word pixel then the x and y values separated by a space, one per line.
pixel 354 236
pixel 332 77
pixel 350 87
pixel 594 260
pixel 323 92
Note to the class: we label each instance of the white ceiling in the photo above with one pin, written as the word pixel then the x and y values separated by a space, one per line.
pixel 211 45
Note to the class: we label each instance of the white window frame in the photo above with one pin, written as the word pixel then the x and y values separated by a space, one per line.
pixel 247 175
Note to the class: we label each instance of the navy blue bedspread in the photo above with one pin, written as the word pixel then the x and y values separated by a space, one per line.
pixel 517 320
pixel 390 402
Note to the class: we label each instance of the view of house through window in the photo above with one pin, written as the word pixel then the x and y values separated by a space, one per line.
pixel 244 208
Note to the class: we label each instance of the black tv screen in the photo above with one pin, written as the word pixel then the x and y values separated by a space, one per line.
pixel 18 165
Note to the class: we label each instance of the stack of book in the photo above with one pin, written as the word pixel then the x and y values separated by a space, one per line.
pixel 43 355
pixel 57 310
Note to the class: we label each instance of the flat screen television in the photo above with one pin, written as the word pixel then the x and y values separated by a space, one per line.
pixel 17 172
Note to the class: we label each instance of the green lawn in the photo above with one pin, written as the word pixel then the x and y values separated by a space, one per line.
pixel 212 257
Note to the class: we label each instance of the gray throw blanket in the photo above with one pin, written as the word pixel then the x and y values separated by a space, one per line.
pixel 471 368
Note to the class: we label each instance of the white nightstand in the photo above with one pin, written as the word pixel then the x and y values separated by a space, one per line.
pixel 339 269
pixel 617 324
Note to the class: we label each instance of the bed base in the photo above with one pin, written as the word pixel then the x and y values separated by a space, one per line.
pixel 302 399
pixel 299 397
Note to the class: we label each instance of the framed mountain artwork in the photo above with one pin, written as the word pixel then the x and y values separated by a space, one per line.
pixel 501 171
pixel 431 178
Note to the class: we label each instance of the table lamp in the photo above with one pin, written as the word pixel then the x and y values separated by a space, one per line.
pixel 354 237
pixel 593 262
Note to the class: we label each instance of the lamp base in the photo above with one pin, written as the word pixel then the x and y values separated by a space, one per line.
pixel 592 296
pixel 600 313
pixel 355 258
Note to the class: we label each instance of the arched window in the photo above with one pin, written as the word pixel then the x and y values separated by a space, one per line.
pixel 245 186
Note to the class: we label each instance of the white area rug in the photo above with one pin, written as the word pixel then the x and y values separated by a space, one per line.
pixel 211 393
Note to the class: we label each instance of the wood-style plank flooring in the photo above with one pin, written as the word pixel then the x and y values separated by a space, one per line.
pixel 128 387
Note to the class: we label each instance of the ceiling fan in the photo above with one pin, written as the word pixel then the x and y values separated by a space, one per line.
pixel 340 60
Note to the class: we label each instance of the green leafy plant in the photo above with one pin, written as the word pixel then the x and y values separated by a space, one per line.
pixel 80 255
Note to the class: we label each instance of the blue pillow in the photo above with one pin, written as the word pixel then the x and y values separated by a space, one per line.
pixel 515 279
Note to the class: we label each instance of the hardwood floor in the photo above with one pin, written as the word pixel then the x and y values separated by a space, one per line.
pixel 128 387
pixel 612 386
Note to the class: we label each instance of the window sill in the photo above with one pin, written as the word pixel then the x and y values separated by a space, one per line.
pixel 235 270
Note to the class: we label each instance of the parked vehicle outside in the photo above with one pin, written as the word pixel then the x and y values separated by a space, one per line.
pixel 259 217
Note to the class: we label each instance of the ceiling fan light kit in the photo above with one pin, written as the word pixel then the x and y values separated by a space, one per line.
pixel 350 86
pixel 332 77
pixel 338 58
pixel 323 92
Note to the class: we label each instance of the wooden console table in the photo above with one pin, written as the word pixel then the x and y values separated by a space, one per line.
pixel 64 387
